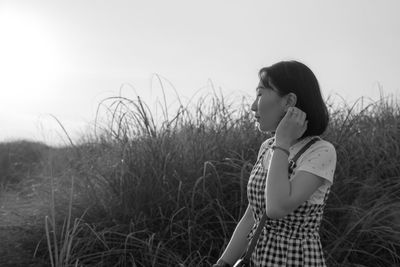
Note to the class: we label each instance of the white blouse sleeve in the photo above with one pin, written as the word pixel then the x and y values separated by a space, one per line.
pixel 319 160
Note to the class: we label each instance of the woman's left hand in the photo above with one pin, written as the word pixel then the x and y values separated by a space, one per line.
pixel 291 127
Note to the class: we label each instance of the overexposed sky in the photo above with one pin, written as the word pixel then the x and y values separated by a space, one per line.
pixel 64 57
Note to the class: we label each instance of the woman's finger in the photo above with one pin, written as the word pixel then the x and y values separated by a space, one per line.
pixel 292 112
pixel 299 114
pixel 303 116
pixel 304 127
pixel 296 114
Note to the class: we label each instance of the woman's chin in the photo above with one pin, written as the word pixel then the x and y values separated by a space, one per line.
pixel 264 129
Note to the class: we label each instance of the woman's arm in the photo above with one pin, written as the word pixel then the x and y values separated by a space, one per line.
pixel 238 242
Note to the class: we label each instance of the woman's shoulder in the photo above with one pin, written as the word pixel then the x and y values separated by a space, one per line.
pixel 320 148
pixel 322 143
pixel 319 159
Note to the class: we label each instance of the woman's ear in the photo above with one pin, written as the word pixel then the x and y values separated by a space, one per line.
pixel 291 100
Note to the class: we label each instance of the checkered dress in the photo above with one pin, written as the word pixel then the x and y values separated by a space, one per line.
pixel 290 241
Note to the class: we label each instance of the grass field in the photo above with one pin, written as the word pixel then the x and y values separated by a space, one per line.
pixel 142 193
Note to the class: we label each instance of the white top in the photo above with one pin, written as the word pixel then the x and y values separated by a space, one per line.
pixel 319 159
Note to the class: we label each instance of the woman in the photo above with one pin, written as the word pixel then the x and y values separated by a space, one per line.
pixel 288 105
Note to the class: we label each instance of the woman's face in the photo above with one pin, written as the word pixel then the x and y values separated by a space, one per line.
pixel 268 108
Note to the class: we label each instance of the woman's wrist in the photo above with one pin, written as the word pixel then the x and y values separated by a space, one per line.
pixel 276 147
pixel 283 144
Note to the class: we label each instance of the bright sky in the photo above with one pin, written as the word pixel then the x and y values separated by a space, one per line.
pixel 63 57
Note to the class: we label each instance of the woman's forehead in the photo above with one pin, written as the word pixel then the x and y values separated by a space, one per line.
pixel 268 85
pixel 261 86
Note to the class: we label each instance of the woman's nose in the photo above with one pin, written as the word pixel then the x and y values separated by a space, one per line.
pixel 254 106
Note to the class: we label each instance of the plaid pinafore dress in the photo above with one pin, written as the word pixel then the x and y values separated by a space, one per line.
pixel 290 241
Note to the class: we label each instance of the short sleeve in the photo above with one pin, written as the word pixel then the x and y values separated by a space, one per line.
pixel 319 159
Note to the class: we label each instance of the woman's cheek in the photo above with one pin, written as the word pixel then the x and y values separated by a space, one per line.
pixel 263 107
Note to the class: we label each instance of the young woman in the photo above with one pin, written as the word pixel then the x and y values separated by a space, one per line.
pixel 290 107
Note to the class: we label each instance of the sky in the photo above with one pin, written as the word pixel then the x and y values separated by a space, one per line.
pixel 60 59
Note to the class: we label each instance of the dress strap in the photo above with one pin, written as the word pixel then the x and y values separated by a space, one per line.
pixel 292 162
pixel 327 193
pixel 265 149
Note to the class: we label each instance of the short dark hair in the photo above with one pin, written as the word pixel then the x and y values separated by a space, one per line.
pixel 295 77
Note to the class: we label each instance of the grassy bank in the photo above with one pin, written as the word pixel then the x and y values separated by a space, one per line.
pixel 138 193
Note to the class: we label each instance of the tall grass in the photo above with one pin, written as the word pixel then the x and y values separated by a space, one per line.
pixel 171 194
pixel 20 161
